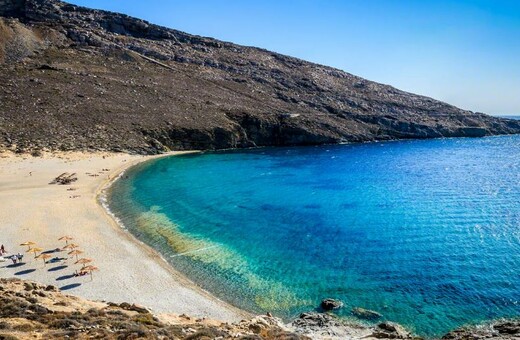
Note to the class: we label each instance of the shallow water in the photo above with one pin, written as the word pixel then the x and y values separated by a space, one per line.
pixel 427 233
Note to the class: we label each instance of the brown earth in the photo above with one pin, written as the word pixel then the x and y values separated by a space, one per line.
pixel 73 78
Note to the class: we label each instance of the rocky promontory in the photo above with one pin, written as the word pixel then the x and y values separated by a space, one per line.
pixel 505 330
pixel 73 78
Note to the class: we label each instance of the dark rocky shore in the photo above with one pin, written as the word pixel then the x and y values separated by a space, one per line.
pixel 31 310
pixel 73 78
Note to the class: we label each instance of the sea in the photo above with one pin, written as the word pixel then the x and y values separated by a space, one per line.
pixel 426 233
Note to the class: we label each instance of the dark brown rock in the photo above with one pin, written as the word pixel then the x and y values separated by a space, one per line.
pixel 331 304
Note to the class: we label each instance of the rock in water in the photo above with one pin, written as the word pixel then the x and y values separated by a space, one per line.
pixel 365 313
pixel 331 304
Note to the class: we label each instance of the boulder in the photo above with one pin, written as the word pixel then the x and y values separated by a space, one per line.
pixel 331 304
pixel 390 330
pixel 309 320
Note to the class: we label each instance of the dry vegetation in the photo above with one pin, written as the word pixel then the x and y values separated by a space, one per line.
pixel 31 310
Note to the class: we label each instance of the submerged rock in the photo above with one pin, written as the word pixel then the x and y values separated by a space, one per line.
pixel 366 314
pixel 331 304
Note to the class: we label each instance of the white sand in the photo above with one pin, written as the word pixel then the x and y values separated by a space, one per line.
pixel 33 210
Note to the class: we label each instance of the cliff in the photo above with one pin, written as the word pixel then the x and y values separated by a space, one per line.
pixel 73 78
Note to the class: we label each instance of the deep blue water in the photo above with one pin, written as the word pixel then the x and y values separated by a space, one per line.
pixel 427 233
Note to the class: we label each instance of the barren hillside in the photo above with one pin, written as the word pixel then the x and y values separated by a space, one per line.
pixel 73 78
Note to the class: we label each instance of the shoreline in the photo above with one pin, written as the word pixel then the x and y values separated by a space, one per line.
pixel 101 198
pixel 121 257
pixel 181 295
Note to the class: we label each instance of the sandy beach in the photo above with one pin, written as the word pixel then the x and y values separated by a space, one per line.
pixel 33 210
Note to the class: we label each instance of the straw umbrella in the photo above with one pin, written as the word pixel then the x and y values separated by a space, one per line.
pixel 66 239
pixel 83 261
pixel 34 250
pixel 28 244
pixel 90 269
pixel 75 252
pixel 44 257
pixel 70 246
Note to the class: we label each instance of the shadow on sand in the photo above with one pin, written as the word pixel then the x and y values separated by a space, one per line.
pixel 50 251
pixel 65 277
pixel 71 286
pixel 55 269
pixel 24 272
pixel 15 265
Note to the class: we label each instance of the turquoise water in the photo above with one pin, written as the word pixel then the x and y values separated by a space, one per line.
pixel 427 233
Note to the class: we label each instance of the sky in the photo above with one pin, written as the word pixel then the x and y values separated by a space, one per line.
pixel 464 52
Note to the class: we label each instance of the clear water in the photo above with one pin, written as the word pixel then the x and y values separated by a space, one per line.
pixel 427 233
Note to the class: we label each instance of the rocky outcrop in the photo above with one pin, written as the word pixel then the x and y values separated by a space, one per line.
pixel 391 330
pixel 328 326
pixel 30 310
pixel 331 304
pixel 73 78
pixel 500 330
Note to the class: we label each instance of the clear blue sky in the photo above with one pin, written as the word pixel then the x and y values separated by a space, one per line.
pixel 465 52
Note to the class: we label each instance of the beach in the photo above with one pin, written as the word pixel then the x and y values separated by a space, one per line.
pixel 129 271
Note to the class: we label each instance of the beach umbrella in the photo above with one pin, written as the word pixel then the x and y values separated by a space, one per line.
pixel 66 239
pixel 34 250
pixel 70 246
pixel 28 244
pixel 83 261
pixel 90 269
pixel 75 252
pixel 44 257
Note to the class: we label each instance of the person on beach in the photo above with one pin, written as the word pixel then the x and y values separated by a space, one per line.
pixel 19 257
pixel 2 250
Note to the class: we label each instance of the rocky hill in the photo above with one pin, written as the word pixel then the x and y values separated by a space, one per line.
pixel 73 78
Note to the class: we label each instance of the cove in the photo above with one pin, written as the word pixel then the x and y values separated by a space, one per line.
pixel 427 233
